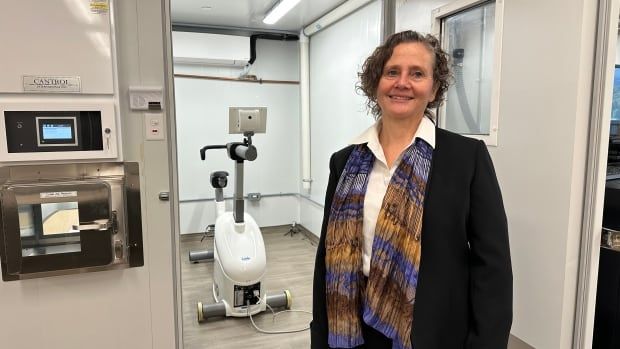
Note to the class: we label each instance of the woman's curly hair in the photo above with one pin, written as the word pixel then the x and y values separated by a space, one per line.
pixel 372 70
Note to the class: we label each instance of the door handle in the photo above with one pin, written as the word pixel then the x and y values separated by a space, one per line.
pixel 99 224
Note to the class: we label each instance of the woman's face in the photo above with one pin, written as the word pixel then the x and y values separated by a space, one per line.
pixel 406 84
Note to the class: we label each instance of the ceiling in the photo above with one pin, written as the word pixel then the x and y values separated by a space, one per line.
pixel 247 13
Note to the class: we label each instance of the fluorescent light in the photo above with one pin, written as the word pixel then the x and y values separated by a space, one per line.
pixel 279 10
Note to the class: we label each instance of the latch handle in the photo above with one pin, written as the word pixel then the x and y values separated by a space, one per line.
pixel 99 224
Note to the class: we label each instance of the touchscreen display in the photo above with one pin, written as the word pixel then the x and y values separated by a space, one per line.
pixel 57 131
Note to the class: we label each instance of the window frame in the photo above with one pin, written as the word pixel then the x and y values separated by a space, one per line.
pixel 438 15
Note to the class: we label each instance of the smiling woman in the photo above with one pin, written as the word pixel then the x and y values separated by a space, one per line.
pixel 403 185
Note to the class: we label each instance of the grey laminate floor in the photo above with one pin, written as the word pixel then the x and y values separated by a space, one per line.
pixel 290 262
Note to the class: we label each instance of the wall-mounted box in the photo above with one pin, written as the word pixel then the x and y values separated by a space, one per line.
pixel 62 40
pixel 210 49
pixel 70 218
pixel 58 74
pixel 58 129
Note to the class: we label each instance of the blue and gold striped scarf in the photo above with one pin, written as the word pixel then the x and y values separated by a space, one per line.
pixel 385 301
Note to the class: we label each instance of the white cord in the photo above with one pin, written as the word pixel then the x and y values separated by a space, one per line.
pixel 274 320
pixel 273 313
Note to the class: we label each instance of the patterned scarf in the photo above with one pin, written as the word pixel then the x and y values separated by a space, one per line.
pixel 385 301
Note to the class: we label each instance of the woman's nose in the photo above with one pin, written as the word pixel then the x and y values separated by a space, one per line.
pixel 402 81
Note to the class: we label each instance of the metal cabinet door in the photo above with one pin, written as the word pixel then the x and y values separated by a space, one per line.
pixel 56 226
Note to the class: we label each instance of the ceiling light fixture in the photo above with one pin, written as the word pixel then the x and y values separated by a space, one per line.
pixel 279 10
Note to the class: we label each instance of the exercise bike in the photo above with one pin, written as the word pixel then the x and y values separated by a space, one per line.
pixel 239 260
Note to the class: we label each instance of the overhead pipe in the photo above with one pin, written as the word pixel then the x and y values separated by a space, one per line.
pixel 304 79
pixel 266 36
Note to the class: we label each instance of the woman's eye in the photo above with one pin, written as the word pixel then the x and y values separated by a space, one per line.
pixel 417 74
pixel 391 73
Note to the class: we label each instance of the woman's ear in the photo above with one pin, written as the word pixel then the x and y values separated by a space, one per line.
pixel 435 89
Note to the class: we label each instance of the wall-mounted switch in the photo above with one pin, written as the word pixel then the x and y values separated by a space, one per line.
pixel 154 127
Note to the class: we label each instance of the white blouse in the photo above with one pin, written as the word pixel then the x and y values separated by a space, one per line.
pixel 380 177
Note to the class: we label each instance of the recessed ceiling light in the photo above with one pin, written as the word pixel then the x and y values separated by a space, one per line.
pixel 279 10
pixel 206 7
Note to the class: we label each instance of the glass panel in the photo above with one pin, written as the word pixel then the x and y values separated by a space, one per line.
pixel 26 220
pixel 613 151
pixel 59 218
pixel 468 38
pixel 48 228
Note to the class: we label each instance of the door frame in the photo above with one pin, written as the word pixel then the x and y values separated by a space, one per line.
pixel 596 167
pixel 173 169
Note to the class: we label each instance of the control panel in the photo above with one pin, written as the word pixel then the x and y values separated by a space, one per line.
pixel 35 132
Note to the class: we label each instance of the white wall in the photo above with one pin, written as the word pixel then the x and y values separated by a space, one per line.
pixel 337 112
pixel 540 160
pixel 202 119
pixel 131 308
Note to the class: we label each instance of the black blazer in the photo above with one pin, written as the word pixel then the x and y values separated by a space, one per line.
pixel 464 292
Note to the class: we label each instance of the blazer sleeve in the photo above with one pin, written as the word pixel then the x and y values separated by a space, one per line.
pixel 490 266
pixel 318 326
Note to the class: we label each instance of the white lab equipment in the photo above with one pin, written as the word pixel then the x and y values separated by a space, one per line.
pixel 68 202
pixel 239 260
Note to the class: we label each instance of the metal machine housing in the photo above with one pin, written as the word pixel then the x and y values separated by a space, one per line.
pixel 100 202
